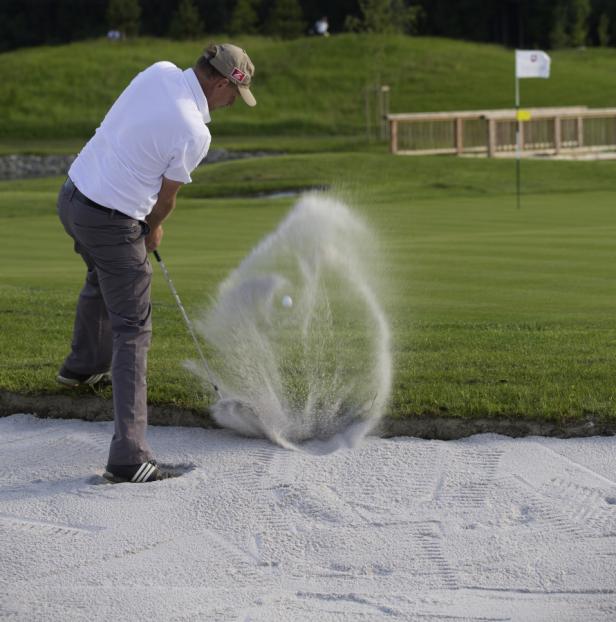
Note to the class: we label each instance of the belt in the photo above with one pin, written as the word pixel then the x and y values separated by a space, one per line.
pixel 82 198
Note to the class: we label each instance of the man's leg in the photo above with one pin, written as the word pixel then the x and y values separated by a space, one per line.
pixel 116 248
pixel 128 300
pixel 92 340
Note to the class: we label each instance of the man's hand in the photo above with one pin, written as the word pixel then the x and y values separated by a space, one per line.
pixel 152 239
pixel 163 207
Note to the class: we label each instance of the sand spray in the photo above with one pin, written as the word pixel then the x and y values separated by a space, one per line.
pixel 298 334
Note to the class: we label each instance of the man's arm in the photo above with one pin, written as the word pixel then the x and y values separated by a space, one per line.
pixel 163 207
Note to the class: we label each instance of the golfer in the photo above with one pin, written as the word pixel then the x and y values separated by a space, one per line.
pixel 119 190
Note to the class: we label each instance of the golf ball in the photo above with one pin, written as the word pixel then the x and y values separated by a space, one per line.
pixel 287 302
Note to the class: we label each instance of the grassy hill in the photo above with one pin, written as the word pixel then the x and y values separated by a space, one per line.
pixel 304 86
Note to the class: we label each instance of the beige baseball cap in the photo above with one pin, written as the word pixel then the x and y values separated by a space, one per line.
pixel 234 64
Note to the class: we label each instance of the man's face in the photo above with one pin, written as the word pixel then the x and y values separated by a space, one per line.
pixel 223 94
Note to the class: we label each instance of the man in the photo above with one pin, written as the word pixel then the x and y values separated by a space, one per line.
pixel 321 27
pixel 119 191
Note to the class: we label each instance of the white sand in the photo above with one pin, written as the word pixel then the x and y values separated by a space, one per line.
pixel 488 528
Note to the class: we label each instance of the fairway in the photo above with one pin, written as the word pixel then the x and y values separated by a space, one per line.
pixel 494 310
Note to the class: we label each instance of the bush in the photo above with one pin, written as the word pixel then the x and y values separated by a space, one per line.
pixel 186 22
pixel 384 17
pixel 124 15
pixel 286 20
pixel 570 23
pixel 244 18
pixel 603 30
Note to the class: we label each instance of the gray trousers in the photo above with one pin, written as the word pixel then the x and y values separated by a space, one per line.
pixel 113 322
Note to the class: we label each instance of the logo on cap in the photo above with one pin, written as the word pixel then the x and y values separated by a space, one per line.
pixel 238 75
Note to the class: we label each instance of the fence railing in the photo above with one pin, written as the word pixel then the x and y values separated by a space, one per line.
pixel 493 132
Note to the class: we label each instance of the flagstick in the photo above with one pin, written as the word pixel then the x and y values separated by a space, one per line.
pixel 528 64
pixel 518 146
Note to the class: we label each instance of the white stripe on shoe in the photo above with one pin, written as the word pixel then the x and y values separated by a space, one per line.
pixel 147 472
pixel 140 471
pixel 94 379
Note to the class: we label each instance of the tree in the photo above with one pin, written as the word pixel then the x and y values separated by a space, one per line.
pixel 570 23
pixel 603 30
pixel 286 19
pixel 186 22
pixel 385 16
pixel 558 31
pixel 124 15
pixel 579 11
pixel 244 18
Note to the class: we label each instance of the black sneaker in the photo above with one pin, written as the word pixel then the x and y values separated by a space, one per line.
pixel 71 379
pixel 137 473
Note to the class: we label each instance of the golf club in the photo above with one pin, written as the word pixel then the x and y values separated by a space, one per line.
pixel 231 405
pixel 238 407
pixel 187 321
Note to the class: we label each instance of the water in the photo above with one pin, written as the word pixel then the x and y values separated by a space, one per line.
pixel 319 368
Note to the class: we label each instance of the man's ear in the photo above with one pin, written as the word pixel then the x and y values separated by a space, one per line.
pixel 223 82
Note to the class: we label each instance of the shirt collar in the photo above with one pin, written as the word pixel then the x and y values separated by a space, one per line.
pixel 198 94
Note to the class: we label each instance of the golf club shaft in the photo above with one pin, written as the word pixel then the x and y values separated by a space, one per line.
pixel 187 321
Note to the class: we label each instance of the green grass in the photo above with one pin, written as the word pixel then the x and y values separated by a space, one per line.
pixel 374 175
pixel 370 175
pixel 306 86
pixel 494 310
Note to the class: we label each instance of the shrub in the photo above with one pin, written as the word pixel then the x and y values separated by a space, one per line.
pixel 124 15
pixel 186 22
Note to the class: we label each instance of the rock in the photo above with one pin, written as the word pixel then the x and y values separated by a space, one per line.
pixel 28 166
pixel 25 166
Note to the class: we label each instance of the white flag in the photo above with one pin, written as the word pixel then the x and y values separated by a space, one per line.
pixel 532 64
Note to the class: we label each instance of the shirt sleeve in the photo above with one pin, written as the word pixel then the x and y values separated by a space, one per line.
pixel 186 157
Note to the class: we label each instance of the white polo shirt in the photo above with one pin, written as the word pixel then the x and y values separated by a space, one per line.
pixel 157 127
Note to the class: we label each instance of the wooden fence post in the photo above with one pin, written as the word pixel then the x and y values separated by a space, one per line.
pixel 459 134
pixel 393 136
pixel 579 126
pixel 557 135
pixel 491 138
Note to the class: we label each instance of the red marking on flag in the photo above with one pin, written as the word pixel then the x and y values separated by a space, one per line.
pixel 238 75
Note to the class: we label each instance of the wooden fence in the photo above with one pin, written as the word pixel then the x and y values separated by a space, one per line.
pixel 554 131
